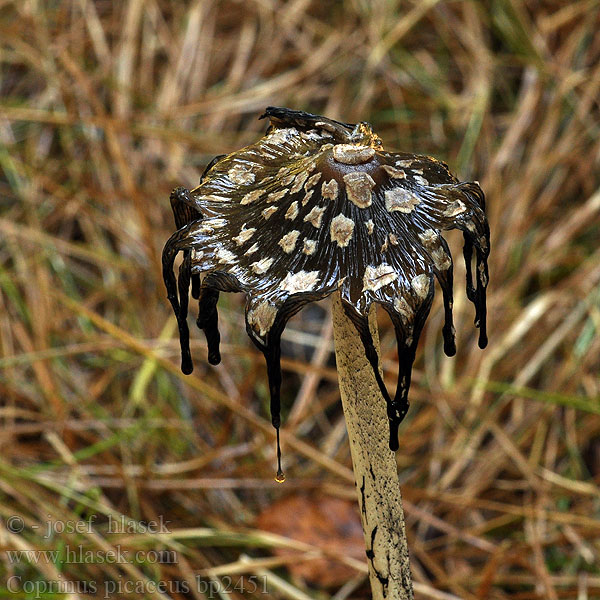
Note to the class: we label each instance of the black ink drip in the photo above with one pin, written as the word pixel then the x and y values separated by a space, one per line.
pixel 208 321
pixel 170 251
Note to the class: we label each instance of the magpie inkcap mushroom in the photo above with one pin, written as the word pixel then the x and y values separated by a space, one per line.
pixel 316 206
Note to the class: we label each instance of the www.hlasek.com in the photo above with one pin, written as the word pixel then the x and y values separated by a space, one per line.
pixel 213 588
pixel 74 555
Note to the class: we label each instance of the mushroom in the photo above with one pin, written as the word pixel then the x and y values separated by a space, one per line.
pixel 314 207
pixel 317 206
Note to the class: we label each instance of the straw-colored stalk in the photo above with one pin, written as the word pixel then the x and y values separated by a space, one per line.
pixel 374 464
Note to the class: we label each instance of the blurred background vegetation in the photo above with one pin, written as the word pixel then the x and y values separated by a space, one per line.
pixel 104 108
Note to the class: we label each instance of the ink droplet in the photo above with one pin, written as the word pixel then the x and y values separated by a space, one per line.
pixel 280 477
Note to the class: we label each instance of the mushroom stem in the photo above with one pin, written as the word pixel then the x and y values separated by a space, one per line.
pixel 374 464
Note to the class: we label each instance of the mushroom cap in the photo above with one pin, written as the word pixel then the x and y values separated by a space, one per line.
pixel 315 206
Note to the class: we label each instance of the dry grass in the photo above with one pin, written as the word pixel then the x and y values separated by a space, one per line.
pixel 106 106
